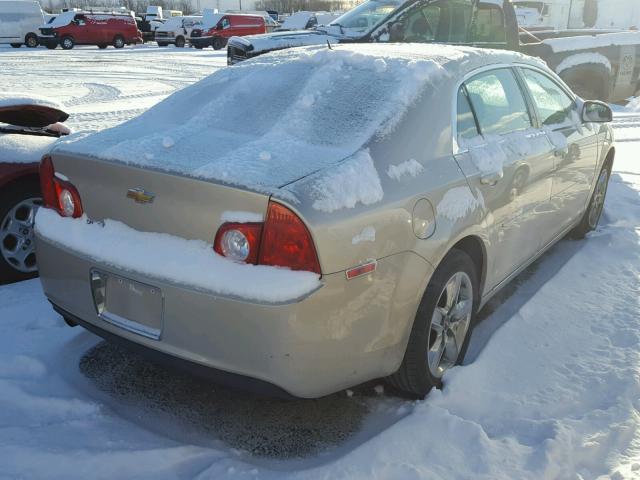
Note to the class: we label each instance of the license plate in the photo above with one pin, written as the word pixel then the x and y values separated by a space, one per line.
pixel 128 304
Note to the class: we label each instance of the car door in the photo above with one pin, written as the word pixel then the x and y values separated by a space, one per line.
pixel 508 161
pixel 575 147
pixel 80 31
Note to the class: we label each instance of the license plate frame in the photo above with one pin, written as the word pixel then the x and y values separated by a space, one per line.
pixel 134 306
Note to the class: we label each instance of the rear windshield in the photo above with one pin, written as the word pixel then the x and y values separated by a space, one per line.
pixel 273 119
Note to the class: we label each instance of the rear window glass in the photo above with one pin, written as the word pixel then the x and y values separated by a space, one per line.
pixel 498 102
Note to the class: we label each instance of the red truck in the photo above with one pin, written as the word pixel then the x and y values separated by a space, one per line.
pixel 218 28
pixel 102 29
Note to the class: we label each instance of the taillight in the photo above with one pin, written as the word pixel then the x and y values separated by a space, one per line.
pixel 57 193
pixel 282 240
pixel 239 241
pixel 286 241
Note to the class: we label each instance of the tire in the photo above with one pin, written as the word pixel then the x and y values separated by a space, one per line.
pixel 162 44
pixel 219 43
pixel 118 41
pixel 423 364
pixel 51 46
pixel 16 45
pixel 102 46
pixel 591 217
pixel 17 250
pixel 67 43
pixel 180 42
pixel 31 40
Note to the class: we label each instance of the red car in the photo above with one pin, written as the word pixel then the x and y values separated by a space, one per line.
pixel 102 29
pixel 28 130
pixel 217 29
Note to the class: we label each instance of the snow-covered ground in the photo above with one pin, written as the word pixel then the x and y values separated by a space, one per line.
pixel 551 389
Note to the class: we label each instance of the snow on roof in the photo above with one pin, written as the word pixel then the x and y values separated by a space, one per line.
pixel 279 117
pixel 14 99
pixel 585 42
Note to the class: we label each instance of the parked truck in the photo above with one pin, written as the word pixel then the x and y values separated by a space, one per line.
pixel 597 64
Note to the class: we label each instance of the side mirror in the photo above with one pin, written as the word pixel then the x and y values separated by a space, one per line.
pixel 596 112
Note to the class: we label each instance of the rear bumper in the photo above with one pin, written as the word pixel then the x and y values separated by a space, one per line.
pixel 48 40
pixel 341 335
pixel 201 42
pixel 170 361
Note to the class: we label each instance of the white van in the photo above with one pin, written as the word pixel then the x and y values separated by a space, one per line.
pixel 176 30
pixel 19 22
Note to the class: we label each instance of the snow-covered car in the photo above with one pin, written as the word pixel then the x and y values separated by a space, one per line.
pixel 344 219
pixel 28 129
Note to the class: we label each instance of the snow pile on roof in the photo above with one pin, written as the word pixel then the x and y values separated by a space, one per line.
pixel 17 99
pixel 24 148
pixel 281 40
pixel 166 257
pixel 272 120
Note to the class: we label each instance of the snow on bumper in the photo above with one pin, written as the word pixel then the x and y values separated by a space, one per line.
pixel 191 263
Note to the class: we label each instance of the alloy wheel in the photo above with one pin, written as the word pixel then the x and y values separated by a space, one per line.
pixel 16 236
pixel 450 323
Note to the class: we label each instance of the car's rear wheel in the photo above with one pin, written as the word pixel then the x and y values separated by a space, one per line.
pixel 118 42
pixel 442 328
pixel 102 46
pixel 219 43
pixel 180 41
pixel 16 45
pixel 31 40
pixel 591 217
pixel 67 43
pixel 18 208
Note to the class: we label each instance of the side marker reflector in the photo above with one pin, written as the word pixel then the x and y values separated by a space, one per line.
pixel 361 270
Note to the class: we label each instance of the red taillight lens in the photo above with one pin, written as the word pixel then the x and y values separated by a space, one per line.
pixel 58 194
pixel 286 241
pixel 282 240
pixel 239 241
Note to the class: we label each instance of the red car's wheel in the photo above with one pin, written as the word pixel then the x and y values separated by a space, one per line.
pixel 18 208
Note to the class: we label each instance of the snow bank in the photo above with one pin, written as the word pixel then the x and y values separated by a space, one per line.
pixel 192 263
pixel 16 99
pixel 24 148
pixel 270 121
pixel 350 183
pixel 583 59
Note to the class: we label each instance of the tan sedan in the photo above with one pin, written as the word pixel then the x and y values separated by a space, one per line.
pixel 316 218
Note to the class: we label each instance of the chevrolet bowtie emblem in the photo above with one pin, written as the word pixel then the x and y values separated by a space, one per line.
pixel 140 195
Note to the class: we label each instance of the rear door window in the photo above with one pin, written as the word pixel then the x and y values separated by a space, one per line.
pixel 498 102
pixel 554 106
